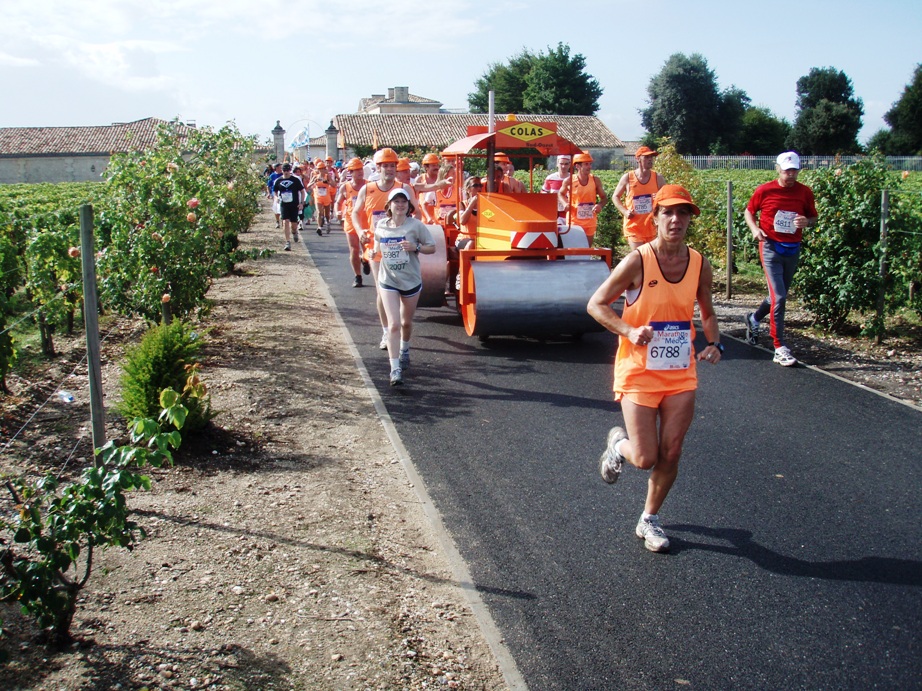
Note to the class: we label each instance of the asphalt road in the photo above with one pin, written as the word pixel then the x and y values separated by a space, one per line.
pixel 796 557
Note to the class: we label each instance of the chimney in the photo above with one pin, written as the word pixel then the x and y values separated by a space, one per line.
pixel 401 94
pixel 390 94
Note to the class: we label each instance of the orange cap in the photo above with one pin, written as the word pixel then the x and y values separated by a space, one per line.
pixel 501 157
pixel 430 158
pixel 354 164
pixel 645 151
pixel 386 155
pixel 674 195
pixel 321 165
pixel 582 158
pixel 403 164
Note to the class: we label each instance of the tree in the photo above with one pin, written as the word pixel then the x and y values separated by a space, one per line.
pixel 506 81
pixel 553 83
pixel 559 85
pixel 684 104
pixel 905 117
pixel 828 114
pixel 763 134
pixel 734 102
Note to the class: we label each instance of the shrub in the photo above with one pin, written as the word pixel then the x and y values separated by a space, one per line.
pixel 167 357
pixel 54 526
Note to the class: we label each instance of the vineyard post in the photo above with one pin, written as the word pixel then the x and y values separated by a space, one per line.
pixel 91 321
pixel 729 239
pixel 881 287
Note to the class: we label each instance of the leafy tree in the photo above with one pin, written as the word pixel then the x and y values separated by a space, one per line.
pixel 734 102
pixel 905 117
pixel 684 104
pixel 828 113
pixel 507 81
pixel 762 133
pixel 559 85
pixel 553 83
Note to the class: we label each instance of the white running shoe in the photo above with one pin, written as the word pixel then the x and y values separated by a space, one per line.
pixel 784 358
pixel 651 532
pixel 396 377
pixel 611 461
pixel 383 344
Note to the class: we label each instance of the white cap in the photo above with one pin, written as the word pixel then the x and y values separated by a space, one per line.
pixel 398 191
pixel 788 160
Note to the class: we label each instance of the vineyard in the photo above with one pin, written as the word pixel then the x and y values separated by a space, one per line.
pixel 166 224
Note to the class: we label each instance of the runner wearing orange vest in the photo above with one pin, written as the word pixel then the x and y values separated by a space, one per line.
pixel 346 195
pixel 323 190
pixel 655 374
pixel 369 207
pixel 638 188
pixel 584 196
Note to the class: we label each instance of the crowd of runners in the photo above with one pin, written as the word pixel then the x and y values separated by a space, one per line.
pixel 389 206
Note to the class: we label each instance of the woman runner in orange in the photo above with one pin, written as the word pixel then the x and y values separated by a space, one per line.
pixel 655 373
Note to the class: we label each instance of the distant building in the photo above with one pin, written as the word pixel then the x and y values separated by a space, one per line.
pixel 437 130
pixel 72 154
pixel 402 119
pixel 399 100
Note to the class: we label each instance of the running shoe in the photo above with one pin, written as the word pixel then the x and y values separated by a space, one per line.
pixel 383 344
pixel 396 377
pixel 404 359
pixel 752 329
pixel 651 532
pixel 366 267
pixel 357 282
pixel 288 247
pixel 611 461
pixel 319 230
pixel 295 237
pixel 784 358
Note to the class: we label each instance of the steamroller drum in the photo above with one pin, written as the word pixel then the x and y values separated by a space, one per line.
pixel 533 298
pixel 434 268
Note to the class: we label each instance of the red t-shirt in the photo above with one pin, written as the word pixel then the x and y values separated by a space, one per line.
pixel 777 206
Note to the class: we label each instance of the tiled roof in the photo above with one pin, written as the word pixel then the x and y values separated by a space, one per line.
pixel 101 139
pixel 438 129
pixel 366 103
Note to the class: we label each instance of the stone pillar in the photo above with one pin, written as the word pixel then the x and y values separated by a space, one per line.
pixel 332 134
pixel 278 137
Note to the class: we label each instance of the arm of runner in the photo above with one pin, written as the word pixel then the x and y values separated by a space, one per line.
pixel 753 224
pixel 600 190
pixel 709 324
pixel 618 195
pixel 628 274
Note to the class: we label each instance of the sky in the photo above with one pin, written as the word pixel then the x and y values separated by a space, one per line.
pixel 300 62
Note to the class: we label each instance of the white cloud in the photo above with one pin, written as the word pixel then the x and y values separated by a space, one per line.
pixel 7 60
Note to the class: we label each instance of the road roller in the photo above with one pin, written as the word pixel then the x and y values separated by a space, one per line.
pixel 523 274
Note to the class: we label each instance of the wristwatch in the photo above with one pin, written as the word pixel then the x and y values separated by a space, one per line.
pixel 417 248
pixel 719 346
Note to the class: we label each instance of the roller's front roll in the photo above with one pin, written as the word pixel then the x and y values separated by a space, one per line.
pixel 532 298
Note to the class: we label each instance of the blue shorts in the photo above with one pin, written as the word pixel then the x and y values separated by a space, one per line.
pixel 403 293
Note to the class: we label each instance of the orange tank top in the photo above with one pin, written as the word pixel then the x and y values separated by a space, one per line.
pixel 375 201
pixel 667 363
pixel 323 193
pixel 639 199
pixel 350 192
pixel 446 201
pixel 582 200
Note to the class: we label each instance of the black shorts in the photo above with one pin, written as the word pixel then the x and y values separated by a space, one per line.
pixel 289 212
pixel 403 293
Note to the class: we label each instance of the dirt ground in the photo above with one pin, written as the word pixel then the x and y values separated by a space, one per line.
pixel 287 548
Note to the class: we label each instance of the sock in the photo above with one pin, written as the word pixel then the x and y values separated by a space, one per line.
pixel 619 447
pixel 404 346
pixel 395 363
pixel 647 516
